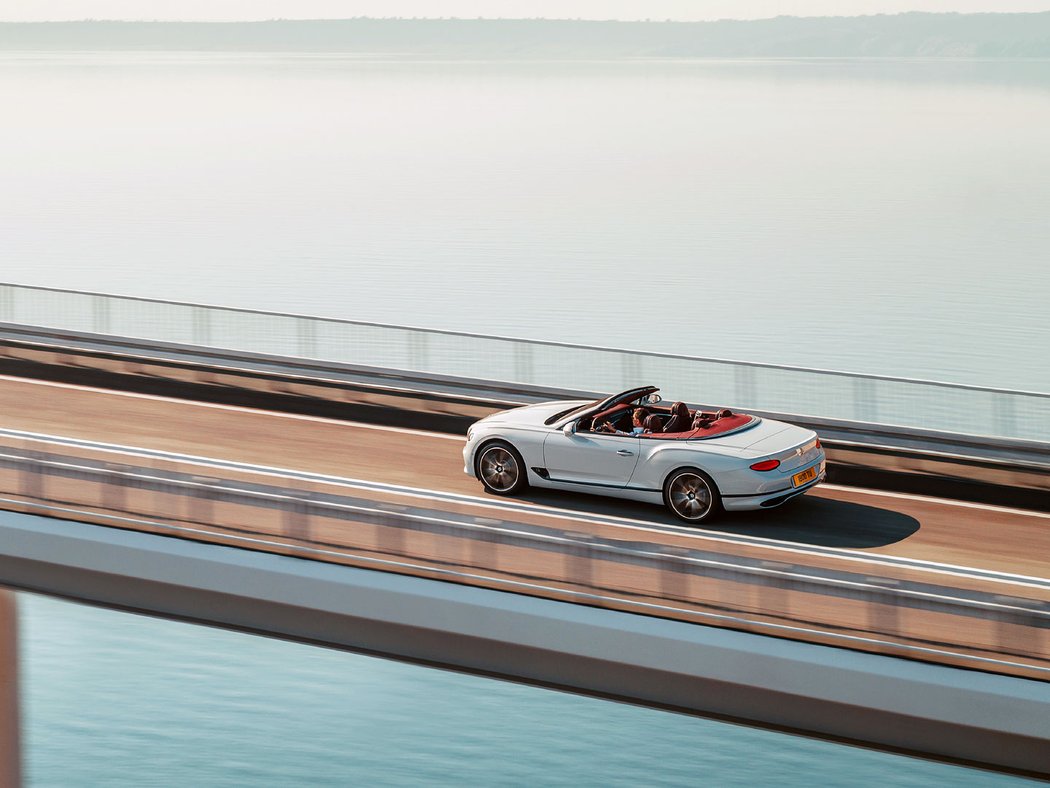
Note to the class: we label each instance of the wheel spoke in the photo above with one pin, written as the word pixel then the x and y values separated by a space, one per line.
pixel 499 469
pixel 690 496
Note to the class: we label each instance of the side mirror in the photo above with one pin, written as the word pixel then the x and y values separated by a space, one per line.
pixel 653 398
pixel 569 429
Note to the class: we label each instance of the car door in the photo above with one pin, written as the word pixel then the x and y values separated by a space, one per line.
pixel 590 458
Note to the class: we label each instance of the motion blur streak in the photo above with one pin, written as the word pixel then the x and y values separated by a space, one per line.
pixel 10 728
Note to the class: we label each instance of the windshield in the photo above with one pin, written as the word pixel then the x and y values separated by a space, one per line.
pixel 631 395
pixel 570 412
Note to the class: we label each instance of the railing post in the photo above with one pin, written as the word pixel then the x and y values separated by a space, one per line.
pixel 483 549
pixel 10 722
pixel 865 404
pixel 306 329
pixel 201 508
pixel 163 505
pixel 114 495
pixel 1014 630
pixel 7 303
pixel 100 314
pixel 390 536
pixel 674 579
pixel 744 386
pixel 883 611
pixel 32 481
pixel 578 560
pixel 297 519
pixel 201 325
pixel 523 367
pixel 632 369
pixel 1004 416
pixel 773 591
pixel 418 352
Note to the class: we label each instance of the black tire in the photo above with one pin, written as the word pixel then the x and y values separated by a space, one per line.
pixel 692 495
pixel 501 469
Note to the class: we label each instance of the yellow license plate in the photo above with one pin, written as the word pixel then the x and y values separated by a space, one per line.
pixel 807 475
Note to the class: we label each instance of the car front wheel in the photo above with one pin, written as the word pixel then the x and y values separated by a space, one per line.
pixel 501 469
pixel 691 495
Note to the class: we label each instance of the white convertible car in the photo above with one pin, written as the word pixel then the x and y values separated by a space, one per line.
pixel 633 445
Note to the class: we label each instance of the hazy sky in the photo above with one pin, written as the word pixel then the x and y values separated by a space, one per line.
pixel 25 10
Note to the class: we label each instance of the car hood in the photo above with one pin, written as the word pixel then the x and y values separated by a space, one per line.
pixel 533 414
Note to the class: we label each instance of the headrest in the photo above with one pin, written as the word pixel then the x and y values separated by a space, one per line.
pixel 702 420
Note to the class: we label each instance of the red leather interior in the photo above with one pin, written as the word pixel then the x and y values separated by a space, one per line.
pixel 717 427
pixel 680 419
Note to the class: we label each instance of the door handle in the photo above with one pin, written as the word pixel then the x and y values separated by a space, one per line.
pixel 625 453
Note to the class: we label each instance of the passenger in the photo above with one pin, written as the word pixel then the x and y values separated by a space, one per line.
pixel 680 420
pixel 637 421
pixel 652 425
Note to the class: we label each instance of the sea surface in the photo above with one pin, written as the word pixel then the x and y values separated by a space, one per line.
pixel 885 216
pixel 114 699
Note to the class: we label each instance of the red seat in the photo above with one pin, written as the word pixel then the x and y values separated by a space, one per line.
pixel 680 420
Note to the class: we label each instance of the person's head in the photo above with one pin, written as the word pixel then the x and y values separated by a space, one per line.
pixel 640 415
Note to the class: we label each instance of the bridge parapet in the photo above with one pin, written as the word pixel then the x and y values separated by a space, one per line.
pixel 876 399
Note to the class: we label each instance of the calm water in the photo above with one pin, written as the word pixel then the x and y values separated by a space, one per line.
pixel 121 700
pixel 886 217
pixel 872 216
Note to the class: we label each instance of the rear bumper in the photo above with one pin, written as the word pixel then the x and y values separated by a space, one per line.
pixel 769 500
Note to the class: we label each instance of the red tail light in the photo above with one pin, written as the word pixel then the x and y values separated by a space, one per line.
pixel 818 443
pixel 766 465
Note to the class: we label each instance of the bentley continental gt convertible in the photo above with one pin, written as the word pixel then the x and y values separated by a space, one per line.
pixel 693 462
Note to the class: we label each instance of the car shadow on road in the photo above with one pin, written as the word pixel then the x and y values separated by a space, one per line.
pixel 806 520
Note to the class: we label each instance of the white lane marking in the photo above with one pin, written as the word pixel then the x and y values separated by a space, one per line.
pixel 971 573
pixel 931 499
pixel 236 408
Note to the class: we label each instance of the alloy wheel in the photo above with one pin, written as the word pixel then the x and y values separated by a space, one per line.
pixel 499 469
pixel 690 496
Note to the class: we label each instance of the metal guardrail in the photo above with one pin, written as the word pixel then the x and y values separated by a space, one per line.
pixel 688 582
pixel 874 399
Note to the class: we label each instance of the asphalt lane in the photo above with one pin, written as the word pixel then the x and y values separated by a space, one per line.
pixel 878 523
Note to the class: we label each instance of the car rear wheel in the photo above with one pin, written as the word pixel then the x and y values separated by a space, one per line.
pixel 692 495
pixel 501 469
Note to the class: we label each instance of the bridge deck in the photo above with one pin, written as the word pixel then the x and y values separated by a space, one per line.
pixel 874 527
pixel 947 532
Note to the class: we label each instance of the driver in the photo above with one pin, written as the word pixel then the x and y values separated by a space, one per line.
pixel 637 420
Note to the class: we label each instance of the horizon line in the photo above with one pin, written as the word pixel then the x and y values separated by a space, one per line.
pixel 517 18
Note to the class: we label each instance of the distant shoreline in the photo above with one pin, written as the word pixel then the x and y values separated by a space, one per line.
pixel 911 35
